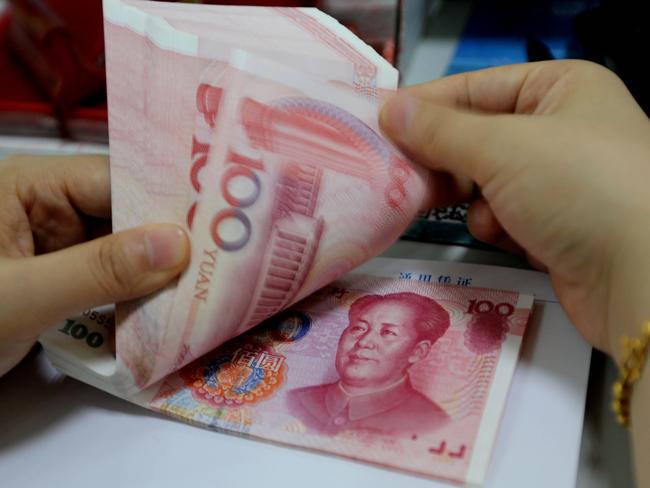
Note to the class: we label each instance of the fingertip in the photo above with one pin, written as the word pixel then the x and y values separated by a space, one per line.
pixel 485 227
pixel 444 189
pixel 167 247
pixel 482 222
pixel 397 114
pixel 536 263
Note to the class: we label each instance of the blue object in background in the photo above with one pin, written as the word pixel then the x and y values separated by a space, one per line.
pixel 501 32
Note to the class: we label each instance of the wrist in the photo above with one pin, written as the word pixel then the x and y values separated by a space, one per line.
pixel 629 289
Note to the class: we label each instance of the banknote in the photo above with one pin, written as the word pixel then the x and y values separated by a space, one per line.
pixel 275 165
pixel 399 373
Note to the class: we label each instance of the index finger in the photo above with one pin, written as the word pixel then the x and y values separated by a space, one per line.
pixel 84 179
pixel 87 181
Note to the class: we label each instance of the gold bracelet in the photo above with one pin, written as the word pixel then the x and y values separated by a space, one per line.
pixel 635 352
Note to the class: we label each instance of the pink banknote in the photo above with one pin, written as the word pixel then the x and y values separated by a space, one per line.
pixel 400 373
pixel 274 163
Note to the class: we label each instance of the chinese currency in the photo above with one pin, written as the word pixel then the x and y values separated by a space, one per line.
pixel 256 129
pixel 396 372
pixel 274 165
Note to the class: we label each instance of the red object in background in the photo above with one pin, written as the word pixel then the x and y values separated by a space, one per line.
pixel 267 3
pixel 55 54
pixel 52 65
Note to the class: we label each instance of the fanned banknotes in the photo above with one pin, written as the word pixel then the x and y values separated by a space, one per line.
pixel 256 129
pixel 274 163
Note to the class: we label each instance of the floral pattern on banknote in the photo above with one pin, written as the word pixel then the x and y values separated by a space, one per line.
pixel 246 375
pixel 245 371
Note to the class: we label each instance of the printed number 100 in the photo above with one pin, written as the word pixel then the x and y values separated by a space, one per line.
pixel 486 306
pixel 80 331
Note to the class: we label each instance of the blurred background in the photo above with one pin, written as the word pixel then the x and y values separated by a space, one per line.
pixel 52 63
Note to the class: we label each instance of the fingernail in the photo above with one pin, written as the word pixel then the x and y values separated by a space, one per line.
pixel 166 246
pixel 398 114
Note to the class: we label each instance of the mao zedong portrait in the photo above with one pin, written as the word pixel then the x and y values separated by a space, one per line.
pixel 385 336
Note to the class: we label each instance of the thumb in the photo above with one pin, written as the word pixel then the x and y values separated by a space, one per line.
pixel 450 139
pixel 45 289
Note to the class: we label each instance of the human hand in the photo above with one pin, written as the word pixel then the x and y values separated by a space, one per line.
pixel 561 154
pixel 50 205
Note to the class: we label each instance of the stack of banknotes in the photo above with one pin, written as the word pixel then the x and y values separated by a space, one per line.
pixel 256 129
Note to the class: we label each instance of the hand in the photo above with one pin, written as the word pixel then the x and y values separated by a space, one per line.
pixel 561 154
pixel 48 207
